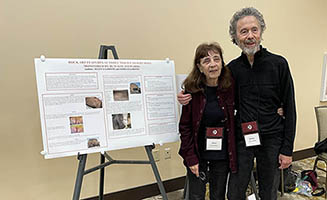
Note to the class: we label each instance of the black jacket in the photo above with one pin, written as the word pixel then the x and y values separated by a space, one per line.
pixel 261 90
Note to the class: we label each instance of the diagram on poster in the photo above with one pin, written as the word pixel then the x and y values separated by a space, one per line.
pixel 91 105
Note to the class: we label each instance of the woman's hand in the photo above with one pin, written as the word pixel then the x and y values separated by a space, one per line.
pixel 195 169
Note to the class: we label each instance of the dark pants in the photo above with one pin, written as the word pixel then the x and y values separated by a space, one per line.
pixel 266 165
pixel 216 173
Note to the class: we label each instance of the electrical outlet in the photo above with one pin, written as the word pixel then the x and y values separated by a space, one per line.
pixel 167 153
pixel 156 155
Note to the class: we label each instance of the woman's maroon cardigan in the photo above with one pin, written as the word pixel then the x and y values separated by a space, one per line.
pixel 190 123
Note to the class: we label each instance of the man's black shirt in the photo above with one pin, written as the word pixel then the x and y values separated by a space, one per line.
pixel 260 90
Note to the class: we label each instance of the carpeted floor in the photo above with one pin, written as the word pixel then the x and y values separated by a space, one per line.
pixel 298 166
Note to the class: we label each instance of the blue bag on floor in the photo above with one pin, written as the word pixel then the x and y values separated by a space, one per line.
pixel 303 187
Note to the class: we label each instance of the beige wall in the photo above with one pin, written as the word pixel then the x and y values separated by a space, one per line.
pixel 143 29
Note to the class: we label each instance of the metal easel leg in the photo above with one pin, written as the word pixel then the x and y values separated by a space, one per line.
pixel 155 171
pixel 79 177
pixel 282 182
pixel 102 159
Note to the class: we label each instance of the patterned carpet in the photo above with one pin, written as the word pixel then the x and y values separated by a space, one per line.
pixel 305 164
pixel 298 166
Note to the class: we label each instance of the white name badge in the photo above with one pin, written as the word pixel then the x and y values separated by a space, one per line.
pixel 214 143
pixel 251 197
pixel 252 139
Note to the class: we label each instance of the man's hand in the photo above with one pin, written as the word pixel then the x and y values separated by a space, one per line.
pixel 284 161
pixel 195 169
pixel 184 99
pixel 280 111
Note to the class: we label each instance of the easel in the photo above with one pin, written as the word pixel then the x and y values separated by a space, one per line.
pixel 103 54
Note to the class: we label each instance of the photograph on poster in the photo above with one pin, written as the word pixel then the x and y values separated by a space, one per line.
pixel 93 142
pixel 323 92
pixel 93 102
pixel 121 121
pixel 121 95
pixel 76 124
pixel 135 88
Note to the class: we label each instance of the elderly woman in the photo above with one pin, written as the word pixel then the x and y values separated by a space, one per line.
pixel 207 124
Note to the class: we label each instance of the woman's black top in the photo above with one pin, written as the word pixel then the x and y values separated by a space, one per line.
pixel 213 116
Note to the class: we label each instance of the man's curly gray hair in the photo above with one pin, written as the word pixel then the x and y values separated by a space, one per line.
pixel 250 11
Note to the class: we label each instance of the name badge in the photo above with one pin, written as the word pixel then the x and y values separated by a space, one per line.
pixel 251 134
pixel 214 138
pixel 252 139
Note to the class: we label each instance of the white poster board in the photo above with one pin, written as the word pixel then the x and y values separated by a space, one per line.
pixel 92 105
pixel 323 90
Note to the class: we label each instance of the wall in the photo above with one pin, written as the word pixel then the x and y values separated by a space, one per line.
pixel 140 29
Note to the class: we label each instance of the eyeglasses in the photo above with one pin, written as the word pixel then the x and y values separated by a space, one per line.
pixel 203 177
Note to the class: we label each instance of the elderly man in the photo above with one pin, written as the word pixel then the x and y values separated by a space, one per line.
pixel 263 83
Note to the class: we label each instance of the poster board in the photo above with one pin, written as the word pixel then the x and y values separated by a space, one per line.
pixel 323 91
pixel 93 105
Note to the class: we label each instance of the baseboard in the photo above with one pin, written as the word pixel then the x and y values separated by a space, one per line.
pixel 302 154
pixel 150 190
pixel 145 191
